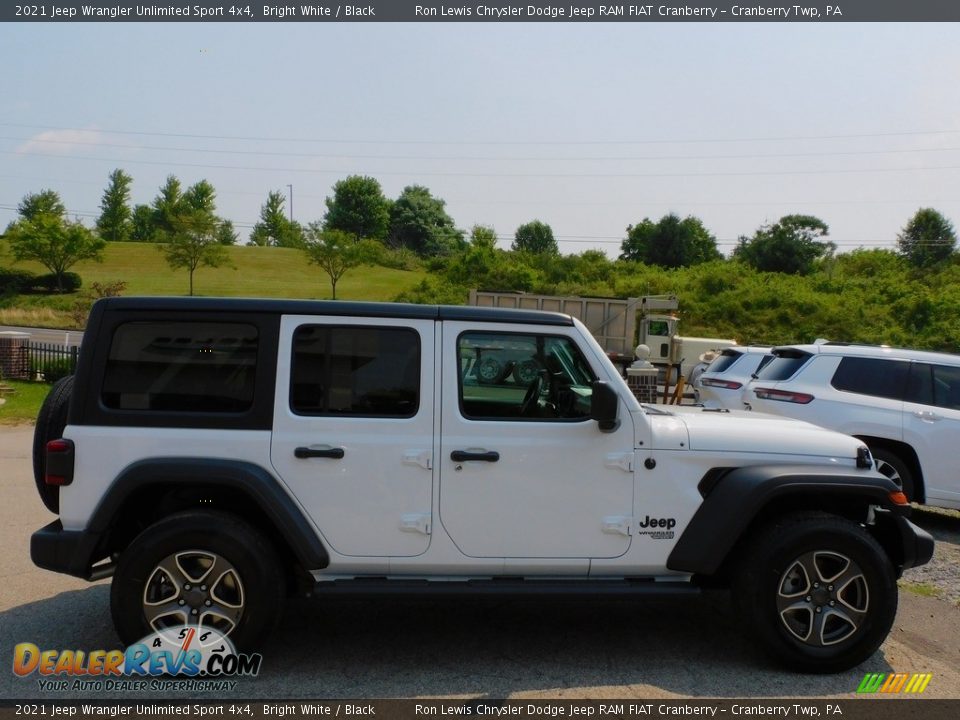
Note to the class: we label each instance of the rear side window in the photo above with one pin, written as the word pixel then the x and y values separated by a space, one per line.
pixel 726 359
pixel 872 376
pixel 193 367
pixel 355 371
pixel 784 365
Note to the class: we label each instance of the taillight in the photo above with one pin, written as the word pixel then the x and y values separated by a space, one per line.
pixel 728 384
pixel 783 395
pixel 59 465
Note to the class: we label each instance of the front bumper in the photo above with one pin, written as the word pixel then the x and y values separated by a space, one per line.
pixel 916 543
pixel 68 551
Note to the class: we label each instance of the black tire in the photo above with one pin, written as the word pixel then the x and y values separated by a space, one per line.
pixel 826 623
pixel 51 420
pixel 889 463
pixel 489 370
pixel 525 372
pixel 245 601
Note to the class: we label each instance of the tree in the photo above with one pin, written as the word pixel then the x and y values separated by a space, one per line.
pixel 791 245
pixel 45 202
pixel 194 243
pixel 274 227
pixel 141 224
pixel 535 237
pixel 335 251
pixel 166 206
pixel 483 236
pixel 226 235
pixel 200 196
pixel 359 207
pixel 419 221
pixel 114 223
pixel 670 242
pixel 927 239
pixel 55 242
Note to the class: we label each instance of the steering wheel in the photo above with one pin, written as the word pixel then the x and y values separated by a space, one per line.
pixel 531 396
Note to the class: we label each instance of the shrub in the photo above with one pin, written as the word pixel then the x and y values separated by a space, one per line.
pixel 14 282
pixel 71 282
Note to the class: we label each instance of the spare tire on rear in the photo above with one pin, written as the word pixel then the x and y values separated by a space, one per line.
pixel 51 421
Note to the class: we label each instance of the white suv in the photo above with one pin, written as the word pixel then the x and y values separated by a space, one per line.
pixel 904 404
pixel 722 383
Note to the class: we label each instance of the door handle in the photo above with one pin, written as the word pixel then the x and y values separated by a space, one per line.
pixel 309 452
pixel 926 415
pixel 467 456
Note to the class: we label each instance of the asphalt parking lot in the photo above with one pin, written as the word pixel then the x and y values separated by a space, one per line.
pixel 452 648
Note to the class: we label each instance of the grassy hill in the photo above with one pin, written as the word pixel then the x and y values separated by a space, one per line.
pixel 258 272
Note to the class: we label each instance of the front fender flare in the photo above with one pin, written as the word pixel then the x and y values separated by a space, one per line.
pixel 733 502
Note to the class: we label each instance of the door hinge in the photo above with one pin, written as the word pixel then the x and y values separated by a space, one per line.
pixel 415 522
pixel 423 458
pixel 618 525
pixel 624 461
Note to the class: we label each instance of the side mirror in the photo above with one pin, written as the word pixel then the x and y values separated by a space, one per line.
pixel 604 404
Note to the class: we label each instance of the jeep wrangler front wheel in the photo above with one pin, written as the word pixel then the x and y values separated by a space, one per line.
pixel 817 592
pixel 205 569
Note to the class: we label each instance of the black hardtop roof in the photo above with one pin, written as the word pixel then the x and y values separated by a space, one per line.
pixel 334 308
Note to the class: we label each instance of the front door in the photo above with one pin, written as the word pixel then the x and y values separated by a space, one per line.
pixel 524 471
pixel 353 430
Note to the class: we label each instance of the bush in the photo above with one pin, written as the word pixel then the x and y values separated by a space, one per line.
pixel 48 283
pixel 14 282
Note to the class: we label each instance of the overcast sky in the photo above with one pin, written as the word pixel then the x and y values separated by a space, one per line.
pixel 588 127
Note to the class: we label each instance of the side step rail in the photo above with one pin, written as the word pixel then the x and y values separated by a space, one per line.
pixel 503 587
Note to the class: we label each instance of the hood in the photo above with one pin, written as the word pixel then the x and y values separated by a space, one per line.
pixel 742 431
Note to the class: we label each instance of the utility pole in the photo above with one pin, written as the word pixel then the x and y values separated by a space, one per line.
pixel 291 202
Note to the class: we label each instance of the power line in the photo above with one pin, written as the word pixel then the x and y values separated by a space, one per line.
pixel 747 173
pixel 485 158
pixel 344 141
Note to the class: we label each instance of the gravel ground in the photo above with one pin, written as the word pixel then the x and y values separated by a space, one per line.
pixel 941 576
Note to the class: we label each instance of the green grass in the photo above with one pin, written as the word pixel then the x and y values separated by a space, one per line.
pixel 258 272
pixel 920 588
pixel 24 403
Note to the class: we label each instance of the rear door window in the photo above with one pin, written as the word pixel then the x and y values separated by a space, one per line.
pixel 355 371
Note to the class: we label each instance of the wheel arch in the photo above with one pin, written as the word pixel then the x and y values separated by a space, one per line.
pixel 905 452
pixel 150 490
pixel 737 501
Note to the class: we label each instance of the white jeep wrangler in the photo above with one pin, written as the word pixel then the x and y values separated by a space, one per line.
pixel 216 455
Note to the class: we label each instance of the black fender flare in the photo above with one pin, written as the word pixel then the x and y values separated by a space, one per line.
pixel 248 478
pixel 734 500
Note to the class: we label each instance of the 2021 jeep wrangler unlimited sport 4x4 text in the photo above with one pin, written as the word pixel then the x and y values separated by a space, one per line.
pixel 212 455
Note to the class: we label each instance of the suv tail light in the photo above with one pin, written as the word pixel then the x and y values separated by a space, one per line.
pixel 59 465
pixel 728 384
pixel 783 396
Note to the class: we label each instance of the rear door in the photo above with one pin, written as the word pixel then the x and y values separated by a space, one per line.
pixel 353 429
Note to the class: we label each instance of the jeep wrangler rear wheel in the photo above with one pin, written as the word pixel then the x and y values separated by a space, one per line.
pixel 817 592
pixel 205 569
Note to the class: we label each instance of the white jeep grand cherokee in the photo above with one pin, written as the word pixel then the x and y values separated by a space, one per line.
pixel 216 455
